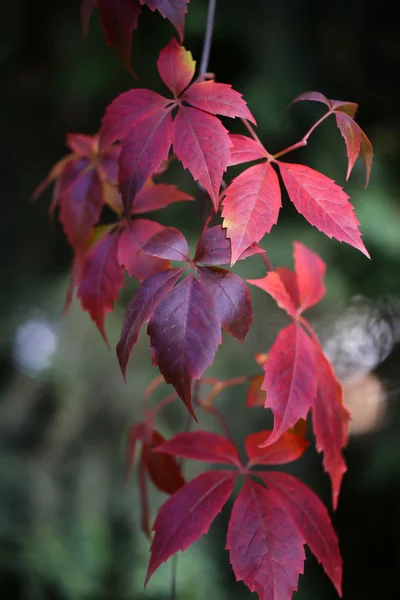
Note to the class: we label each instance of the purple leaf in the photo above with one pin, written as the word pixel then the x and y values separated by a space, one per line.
pixel 232 299
pixel 168 243
pixel 185 334
pixel 140 308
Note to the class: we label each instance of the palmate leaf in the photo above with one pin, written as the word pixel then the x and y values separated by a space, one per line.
pixel 184 320
pixel 271 519
pixel 82 180
pixel 298 376
pixel 142 121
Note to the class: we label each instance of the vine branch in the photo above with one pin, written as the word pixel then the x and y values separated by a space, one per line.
pixel 208 37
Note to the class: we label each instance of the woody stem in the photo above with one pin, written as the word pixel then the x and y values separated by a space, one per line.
pixel 208 37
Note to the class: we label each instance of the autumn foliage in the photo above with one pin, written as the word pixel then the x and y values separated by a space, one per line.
pixel 185 300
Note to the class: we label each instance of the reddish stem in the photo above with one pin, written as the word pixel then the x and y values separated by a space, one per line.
pixel 304 140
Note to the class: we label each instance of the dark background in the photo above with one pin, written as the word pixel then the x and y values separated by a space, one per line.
pixel 68 525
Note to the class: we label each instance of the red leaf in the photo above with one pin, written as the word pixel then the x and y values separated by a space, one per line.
pixel 142 305
pixel 202 144
pixel 163 469
pixel 290 379
pixel 231 297
pixel 266 550
pixel 314 96
pixel 131 240
pixel 101 279
pixel 188 514
pixel 244 149
pixel 213 248
pixel 310 271
pixel 351 133
pixel 255 395
pixel 119 19
pixel 323 203
pixel 176 67
pixel 173 10
pixel 167 243
pixel 80 207
pixel 125 111
pixel 218 99
pixel 155 196
pixel 184 334
pixel 143 150
pixel 201 445
pixel 350 108
pixel 311 520
pixel 272 284
pixel 330 423
pixel 289 447
pixel 251 207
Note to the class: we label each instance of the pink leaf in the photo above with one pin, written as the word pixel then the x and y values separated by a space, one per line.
pixel 310 270
pixel 143 151
pixel 131 240
pixel 184 334
pixel 290 380
pixel 80 207
pixel 218 99
pixel 202 144
pixel 167 243
pixel 311 520
pixel 266 550
pixel 101 279
pixel 213 248
pixel 244 149
pixel 289 447
pixel 231 297
pixel 274 286
pixel 323 203
pixel 125 111
pixel 176 67
pixel 201 445
pixel 330 423
pixel 156 196
pixel 188 514
pixel 351 133
pixel 251 207
pixel 142 305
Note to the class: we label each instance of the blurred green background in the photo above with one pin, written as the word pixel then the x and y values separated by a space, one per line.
pixel 69 527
